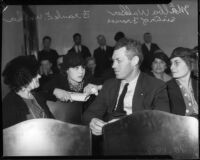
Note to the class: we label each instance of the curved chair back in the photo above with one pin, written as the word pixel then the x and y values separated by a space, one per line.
pixel 70 112
pixel 153 133
pixel 46 137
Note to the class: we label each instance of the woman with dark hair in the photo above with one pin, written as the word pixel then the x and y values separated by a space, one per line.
pixel 160 65
pixel 182 89
pixel 72 79
pixel 22 103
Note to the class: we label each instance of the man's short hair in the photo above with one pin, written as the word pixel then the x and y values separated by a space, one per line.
pixel 46 37
pixel 118 36
pixel 132 46
pixel 147 33
pixel 100 36
pixel 76 34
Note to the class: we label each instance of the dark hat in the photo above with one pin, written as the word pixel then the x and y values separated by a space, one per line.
pixel 161 55
pixel 183 52
pixel 20 71
pixel 72 59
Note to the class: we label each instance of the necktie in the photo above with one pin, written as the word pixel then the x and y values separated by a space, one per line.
pixel 120 106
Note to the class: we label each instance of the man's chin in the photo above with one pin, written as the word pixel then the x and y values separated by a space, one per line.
pixel 118 77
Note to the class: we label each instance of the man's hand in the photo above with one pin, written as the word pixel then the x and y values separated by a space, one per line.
pixel 96 126
pixel 62 94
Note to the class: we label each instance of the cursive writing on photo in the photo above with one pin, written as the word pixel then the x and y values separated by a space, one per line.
pixel 57 15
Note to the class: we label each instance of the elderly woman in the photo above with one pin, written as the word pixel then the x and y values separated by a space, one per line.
pixel 72 79
pixel 22 103
pixel 159 66
pixel 182 89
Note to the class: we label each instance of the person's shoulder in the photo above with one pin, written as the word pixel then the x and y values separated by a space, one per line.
pixel 155 44
pixel 96 49
pixel 71 49
pixel 151 81
pixel 54 51
pixel 143 45
pixel 110 47
pixel 150 73
pixel 10 98
pixel 84 46
pixel 111 82
pixel 10 94
pixel 170 82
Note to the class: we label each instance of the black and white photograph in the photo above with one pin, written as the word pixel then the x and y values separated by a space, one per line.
pixel 100 80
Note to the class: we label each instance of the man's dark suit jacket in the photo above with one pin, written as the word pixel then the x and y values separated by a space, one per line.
pixel 150 93
pixel 103 60
pixel 148 56
pixel 15 109
pixel 85 52
pixel 177 103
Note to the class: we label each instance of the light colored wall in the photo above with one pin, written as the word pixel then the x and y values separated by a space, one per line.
pixel 12 38
pixel 181 32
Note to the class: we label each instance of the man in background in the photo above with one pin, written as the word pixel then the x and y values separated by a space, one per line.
pixel 79 48
pixel 148 49
pixel 102 56
pixel 48 52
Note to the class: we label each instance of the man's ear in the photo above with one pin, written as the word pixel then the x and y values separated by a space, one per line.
pixel 135 60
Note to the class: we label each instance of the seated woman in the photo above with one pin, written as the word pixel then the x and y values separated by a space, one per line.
pixel 182 89
pixel 22 103
pixel 71 79
pixel 159 66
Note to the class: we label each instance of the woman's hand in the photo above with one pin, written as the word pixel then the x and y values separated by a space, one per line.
pixel 92 89
pixel 62 94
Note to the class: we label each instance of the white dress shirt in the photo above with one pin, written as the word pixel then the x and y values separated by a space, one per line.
pixel 103 48
pixel 78 48
pixel 148 45
pixel 129 94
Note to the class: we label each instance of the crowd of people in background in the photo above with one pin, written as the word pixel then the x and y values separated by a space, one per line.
pixel 122 79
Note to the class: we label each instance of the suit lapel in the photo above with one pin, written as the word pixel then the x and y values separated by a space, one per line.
pixel 114 94
pixel 138 98
pixel 177 91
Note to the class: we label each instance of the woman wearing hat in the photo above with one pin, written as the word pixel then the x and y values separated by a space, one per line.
pixel 182 89
pixel 72 79
pixel 160 65
pixel 22 102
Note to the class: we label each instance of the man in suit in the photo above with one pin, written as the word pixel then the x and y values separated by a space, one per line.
pixel 148 49
pixel 79 48
pixel 102 56
pixel 130 91
pixel 48 52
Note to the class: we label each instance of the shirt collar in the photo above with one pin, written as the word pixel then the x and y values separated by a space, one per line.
pixel 133 81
